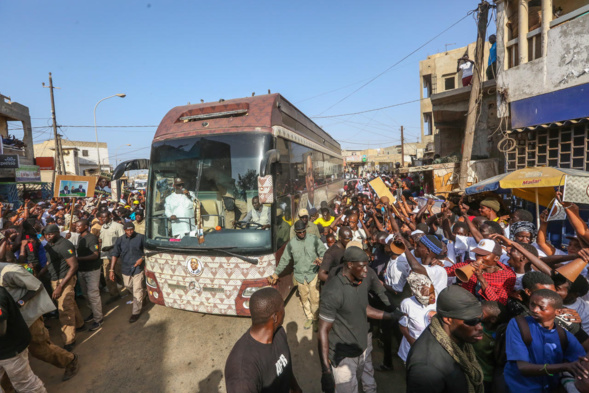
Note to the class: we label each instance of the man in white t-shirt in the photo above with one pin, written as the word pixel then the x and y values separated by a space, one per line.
pixel 465 65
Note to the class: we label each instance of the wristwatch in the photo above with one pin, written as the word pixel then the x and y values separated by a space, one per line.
pixel 21 303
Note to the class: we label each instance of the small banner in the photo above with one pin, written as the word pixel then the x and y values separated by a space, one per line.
pixel 103 186
pixel 265 189
pixel 74 186
pixel 576 189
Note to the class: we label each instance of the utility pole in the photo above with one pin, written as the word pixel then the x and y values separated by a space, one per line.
pixel 402 149
pixel 58 155
pixel 474 104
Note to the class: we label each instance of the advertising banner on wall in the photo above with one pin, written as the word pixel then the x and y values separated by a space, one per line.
pixel 28 174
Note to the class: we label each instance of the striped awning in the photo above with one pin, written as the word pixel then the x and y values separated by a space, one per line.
pixel 555 124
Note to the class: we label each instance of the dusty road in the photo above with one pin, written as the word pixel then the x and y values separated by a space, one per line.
pixel 170 350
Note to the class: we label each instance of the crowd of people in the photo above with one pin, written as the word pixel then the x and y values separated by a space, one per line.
pixel 52 251
pixel 471 296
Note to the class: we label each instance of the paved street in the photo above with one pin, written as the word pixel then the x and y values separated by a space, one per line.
pixel 170 350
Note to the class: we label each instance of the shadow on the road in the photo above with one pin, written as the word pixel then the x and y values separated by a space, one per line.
pixel 305 359
pixel 211 383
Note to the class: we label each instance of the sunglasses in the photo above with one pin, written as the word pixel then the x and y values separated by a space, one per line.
pixel 347 238
pixel 473 322
pixel 301 231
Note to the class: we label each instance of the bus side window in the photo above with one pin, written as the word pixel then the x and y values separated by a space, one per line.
pixel 282 182
pixel 283 221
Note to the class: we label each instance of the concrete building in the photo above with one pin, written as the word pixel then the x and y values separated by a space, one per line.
pixel 15 113
pixel 80 157
pixel 440 80
pixel 383 159
pixel 543 81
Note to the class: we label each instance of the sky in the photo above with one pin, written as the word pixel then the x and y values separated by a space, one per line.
pixel 162 54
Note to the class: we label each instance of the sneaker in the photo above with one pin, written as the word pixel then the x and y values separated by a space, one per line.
pixel 113 299
pixel 134 318
pixel 71 369
pixel 90 318
pixel 308 324
pixel 96 325
pixel 69 347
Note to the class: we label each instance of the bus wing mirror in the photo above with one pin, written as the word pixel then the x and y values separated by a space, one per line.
pixel 270 157
pixel 265 182
pixel 130 165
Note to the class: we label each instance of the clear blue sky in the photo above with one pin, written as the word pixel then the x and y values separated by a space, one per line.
pixel 168 53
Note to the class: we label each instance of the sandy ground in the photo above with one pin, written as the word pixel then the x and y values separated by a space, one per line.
pixel 171 350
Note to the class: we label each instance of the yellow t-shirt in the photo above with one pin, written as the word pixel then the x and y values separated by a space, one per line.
pixel 324 223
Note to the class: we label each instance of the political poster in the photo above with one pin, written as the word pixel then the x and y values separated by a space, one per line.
pixel 67 186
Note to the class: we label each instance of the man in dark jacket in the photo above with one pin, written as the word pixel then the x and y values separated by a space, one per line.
pixel 442 360
pixel 129 248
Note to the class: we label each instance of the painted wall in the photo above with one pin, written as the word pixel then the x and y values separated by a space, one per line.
pixel 563 67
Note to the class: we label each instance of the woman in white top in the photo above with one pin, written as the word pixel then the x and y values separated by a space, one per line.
pixel 418 309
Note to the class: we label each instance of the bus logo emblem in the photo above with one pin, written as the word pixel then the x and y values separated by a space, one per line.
pixel 194 266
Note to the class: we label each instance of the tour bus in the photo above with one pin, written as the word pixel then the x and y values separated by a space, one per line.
pixel 226 154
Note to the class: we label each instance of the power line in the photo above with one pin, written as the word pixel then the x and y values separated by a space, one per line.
pixel 397 63
pixel 366 111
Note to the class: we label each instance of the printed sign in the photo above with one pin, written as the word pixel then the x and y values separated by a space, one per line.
pixel 74 186
pixel 576 189
pixel 45 163
pixel 9 161
pixel 103 184
pixel 28 174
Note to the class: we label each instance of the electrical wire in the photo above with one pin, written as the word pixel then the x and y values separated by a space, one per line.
pixel 397 63
pixel 366 111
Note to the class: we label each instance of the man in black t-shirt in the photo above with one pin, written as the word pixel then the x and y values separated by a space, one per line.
pixel 14 340
pixel 334 256
pixel 89 271
pixel 260 360
pixel 62 265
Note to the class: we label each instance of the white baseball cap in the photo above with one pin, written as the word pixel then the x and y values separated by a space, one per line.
pixel 488 246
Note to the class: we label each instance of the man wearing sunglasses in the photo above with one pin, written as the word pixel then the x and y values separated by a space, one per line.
pixel 442 360
pixel 306 253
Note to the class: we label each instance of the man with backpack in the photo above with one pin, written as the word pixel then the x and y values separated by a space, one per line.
pixel 539 351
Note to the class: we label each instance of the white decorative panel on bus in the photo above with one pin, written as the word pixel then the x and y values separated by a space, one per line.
pixel 204 283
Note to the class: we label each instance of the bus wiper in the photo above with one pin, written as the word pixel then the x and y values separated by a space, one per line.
pixel 253 261
pixel 223 250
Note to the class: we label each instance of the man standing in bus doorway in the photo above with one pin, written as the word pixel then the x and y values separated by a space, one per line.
pixel 306 252
pixel 179 208
pixel 310 226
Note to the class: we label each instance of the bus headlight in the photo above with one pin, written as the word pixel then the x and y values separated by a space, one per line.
pixel 248 292
pixel 151 282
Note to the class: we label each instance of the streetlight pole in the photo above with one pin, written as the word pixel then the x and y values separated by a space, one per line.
pixel 96 130
pixel 117 152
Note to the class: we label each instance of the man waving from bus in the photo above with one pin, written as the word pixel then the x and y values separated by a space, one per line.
pixel 180 209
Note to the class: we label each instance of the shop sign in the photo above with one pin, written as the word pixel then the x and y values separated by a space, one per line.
pixel 28 174
pixel 9 161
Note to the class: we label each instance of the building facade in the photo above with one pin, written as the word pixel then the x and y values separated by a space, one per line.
pixel 543 81
pixel 80 157
pixel 438 74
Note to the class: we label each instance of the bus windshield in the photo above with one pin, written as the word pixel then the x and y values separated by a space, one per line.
pixel 221 173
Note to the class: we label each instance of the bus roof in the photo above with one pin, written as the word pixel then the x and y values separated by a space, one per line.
pixel 249 114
